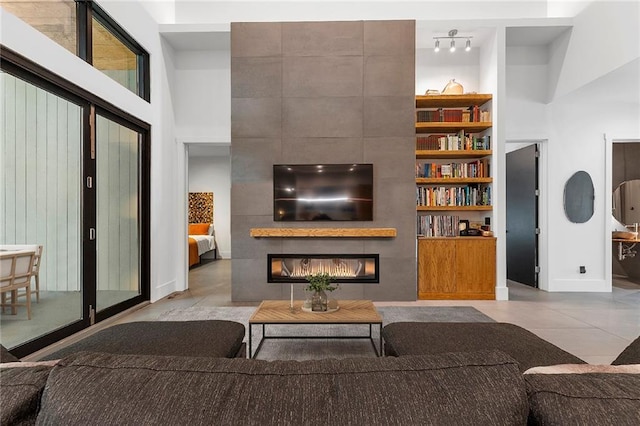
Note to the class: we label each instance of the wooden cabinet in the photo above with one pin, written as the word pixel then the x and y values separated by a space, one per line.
pixel 457 268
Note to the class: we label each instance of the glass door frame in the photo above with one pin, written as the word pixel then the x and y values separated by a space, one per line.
pixel 32 73
pixel 144 197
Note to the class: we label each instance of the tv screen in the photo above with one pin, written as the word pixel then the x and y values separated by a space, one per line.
pixel 307 192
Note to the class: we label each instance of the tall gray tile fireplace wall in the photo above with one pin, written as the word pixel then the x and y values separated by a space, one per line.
pixel 319 93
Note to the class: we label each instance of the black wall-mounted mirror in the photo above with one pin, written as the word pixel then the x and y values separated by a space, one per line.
pixel 578 197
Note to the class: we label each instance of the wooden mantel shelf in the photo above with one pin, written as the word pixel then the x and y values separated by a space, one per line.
pixel 323 232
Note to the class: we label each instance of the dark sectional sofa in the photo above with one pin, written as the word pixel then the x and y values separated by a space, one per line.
pixel 591 398
pixel 214 339
pixel 422 338
pixel 481 384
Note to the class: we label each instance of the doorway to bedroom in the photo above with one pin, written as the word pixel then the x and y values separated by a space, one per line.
pixel 209 188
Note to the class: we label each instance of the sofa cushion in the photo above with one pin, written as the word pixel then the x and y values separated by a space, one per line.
pixel 207 338
pixel 468 388
pixel 6 356
pixel 584 399
pixel 630 355
pixel 21 391
pixel 414 338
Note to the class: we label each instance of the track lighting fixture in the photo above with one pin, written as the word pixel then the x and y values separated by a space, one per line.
pixel 452 35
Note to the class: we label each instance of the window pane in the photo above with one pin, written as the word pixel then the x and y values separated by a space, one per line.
pixel 113 58
pixel 40 200
pixel 54 18
pixel 118 236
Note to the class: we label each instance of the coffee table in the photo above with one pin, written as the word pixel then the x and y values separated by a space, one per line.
pixel 272 312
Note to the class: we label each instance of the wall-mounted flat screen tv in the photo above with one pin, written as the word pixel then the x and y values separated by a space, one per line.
pixel 308 192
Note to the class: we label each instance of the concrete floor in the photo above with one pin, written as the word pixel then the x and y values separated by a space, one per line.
pixel 596 327
pixel 55 310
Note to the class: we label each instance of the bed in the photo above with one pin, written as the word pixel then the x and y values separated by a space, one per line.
pixel 201 240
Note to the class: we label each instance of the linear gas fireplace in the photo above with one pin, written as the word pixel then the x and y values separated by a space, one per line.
pixel 347 268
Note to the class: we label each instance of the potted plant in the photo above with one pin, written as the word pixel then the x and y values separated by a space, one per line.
pixel 320 283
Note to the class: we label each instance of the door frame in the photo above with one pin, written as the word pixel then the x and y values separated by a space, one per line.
pixel 543 204
pixel 183 151
pixel 608 201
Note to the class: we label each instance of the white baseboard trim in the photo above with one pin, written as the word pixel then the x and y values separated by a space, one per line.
pixel 502 293
pixel 595 286
pixel 164 290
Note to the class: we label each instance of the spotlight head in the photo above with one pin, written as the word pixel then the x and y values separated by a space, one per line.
pixel 467 46
pixel 453 46
pixel 437 48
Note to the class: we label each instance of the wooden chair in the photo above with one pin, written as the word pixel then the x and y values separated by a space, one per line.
pixel 16 269
pixel 36 271
pixel 36 264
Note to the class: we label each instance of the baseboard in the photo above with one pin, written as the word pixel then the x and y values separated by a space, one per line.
pixel 593 286
pixel 502 293
pixel 164 290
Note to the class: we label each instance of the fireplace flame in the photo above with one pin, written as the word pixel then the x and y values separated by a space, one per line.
pixel 339 268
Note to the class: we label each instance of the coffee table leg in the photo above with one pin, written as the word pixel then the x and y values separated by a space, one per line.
pixel 373 343
pixel 260 341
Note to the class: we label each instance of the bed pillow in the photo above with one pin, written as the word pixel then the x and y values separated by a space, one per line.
pixel 199 229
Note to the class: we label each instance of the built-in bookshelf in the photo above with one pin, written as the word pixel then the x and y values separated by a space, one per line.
pixel 453 161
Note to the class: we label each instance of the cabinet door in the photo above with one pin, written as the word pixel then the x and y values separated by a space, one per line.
pixel 476 266
pixel 436 267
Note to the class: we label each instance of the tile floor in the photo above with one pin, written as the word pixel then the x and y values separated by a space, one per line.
pixel 596 327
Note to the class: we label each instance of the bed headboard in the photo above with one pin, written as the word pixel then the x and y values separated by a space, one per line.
pixel 201 207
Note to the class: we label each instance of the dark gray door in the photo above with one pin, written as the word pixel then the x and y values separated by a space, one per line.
pixel 522 215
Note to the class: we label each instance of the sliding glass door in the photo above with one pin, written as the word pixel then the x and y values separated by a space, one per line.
pixel 118 213
pixel 40 204
pixel 74 176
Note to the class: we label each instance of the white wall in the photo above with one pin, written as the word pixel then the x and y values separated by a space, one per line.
pixel 213 174
pixel 606 36
pixel 578 124
pixel 526 100
pixel 553 94
pixel 202 90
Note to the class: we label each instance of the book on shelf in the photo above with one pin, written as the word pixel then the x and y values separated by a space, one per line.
pixel 453 115
pixel 438 226
pixel 455 196
pixel 429 116
pixel 428 143
pixel 453 142
pixel 472 169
